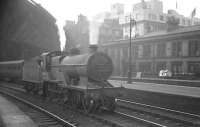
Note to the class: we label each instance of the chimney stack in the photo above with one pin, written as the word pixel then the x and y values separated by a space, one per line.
pixel 172 23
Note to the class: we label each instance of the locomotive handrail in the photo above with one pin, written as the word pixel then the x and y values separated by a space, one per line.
pixel 68 65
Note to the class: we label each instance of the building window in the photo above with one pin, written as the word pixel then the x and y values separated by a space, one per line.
pixel 161 50
pixel 125 53
pixel 177 49
pixel 135 51
pixel 145 67
pixel 196 22
pixel 177 68
pixel 149 16
pixel 161 17
pixel 194 67
pixel 137 16
pixel 189 22
pixel 149 28
pixel 194 48
pixel 146 51
pixel 154 17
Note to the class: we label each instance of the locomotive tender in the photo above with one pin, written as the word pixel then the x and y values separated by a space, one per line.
pixel 78 80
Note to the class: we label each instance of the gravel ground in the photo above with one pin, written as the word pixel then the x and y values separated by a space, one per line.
pixel 63 112
pixel 180 103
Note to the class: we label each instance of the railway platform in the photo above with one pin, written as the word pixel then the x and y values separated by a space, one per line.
pixel 168 81
pixel 187 91
pixel 12 116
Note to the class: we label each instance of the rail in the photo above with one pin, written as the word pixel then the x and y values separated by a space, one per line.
pixel 58 119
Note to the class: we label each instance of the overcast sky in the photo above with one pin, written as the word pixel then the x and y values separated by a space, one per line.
pixel 69 9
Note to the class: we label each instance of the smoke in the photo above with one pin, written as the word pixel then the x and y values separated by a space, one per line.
pixel 95 24
pixel 94 32
pixel 61 34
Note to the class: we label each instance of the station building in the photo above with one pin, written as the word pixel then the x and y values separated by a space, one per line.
pixel 110 30
pixel 176 50
pixel 27 30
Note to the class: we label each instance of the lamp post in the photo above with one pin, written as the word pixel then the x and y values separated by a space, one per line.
pixel 130 53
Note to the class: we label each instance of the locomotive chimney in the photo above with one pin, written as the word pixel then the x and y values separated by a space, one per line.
pixel 93 48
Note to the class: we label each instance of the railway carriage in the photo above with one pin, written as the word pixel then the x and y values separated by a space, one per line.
pixel 11 70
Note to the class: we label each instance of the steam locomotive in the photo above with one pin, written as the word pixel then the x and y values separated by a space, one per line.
pixel 76 79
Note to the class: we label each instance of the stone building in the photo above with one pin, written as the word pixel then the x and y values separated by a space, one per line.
pixel 110 30
pixel 176 50
pixel 77 34
pixel 117 10
pixel 149 17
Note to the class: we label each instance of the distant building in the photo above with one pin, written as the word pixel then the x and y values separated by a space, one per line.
pixel 163 42
pixel 101 16
pixel 150 18
pixel 177 50
pixel 184 21
pixel 70 30
pixel 77 34
pixel 117 10
pixel 27 30
pixel 110 30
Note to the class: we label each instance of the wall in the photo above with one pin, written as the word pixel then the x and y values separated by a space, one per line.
pixel 150 65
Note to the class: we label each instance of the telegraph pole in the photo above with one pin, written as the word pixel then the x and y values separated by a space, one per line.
pixel 130 53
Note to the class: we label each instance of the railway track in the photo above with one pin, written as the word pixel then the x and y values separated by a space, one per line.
pixel 112 119
pixel 161 116
pixel 91 119
pixel 40 116
pixel 130 114
pixel 139 119
pixel 119 119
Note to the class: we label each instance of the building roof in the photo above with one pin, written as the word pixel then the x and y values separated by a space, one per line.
pixel 176 31
pixel 41 9
pixel 184 32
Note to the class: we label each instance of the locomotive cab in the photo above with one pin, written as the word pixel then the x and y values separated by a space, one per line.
pixel 47 59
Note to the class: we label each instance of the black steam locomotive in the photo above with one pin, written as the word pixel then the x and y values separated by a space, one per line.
pixel 78 80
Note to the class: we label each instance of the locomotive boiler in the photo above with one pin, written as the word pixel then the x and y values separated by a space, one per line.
pixel 93 67
pixel 79 80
